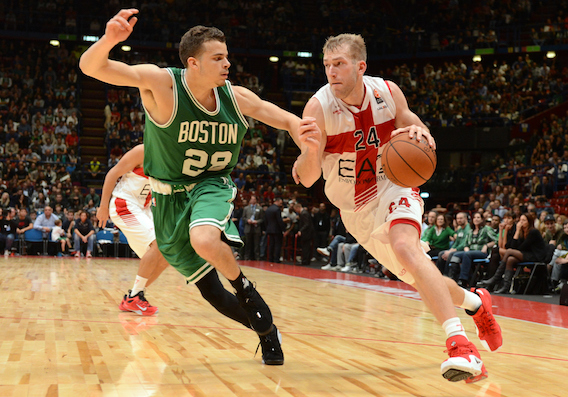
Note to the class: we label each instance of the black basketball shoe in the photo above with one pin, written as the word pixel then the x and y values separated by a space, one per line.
pixel 271 347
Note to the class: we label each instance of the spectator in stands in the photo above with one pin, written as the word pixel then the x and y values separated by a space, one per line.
pixel 438 236
pixel 339 235
pixel 7 231
pixel 45 221
pixel 23 223
pixel 61 128
pixel 93 196
pixel 497 208
pixel 12 147
pixel 463 228
pixel 322 225
pixel 58 211
pixel 253 217
pixel 250 185
pixel 60 200
pixel 275 227
pixel 559 260
pixel 551 232
pixel 305 233
pixel 60 145
pixel 237 218
pixel 547 187
pixel 20 200
pixel 40 201
pixel 479 242
pixel 429 220
pixel 240 181
pixel 290 218
pixel 58 235
pixel 535 187
pixel 112 161
pixel 268 195
pixel 69 224
pixel 75 202
pixel 84 234
pixel 527 245
pixel 90 209
pixel 72 121
pixel 345 254
pixel 5 201
pixel 94 168
pixel 72 139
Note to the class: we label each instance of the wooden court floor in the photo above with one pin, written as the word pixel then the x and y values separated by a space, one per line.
pixel 61 334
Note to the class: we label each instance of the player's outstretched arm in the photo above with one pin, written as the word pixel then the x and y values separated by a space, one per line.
pixel 267 112
pixel 307 168
pixel 132 159
pixel 406 120
pixel 95 61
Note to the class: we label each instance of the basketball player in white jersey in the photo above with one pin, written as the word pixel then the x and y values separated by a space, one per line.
pixel 126 199
pixel 352 118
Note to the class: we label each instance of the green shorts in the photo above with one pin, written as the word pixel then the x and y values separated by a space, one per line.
pixel 210 202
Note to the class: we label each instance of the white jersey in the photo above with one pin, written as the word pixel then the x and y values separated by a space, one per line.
pixel 355 182
pixel 130 210
pixel 134 187
pixel 355 139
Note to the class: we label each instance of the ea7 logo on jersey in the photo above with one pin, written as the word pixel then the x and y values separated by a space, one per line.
pixel 356 173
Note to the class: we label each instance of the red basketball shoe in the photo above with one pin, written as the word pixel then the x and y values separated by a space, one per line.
pixel 137 304
pixel 464 362
pixel 488 330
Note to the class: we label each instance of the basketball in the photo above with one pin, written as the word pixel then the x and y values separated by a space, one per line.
pixel 407 162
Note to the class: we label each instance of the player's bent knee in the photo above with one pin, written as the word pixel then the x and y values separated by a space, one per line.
pixel 205 240
pixel 404 247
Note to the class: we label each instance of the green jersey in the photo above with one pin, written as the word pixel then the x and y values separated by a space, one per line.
pixel 195 144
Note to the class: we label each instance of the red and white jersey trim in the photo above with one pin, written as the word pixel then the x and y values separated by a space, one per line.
pixel 134 186
pixel 355 139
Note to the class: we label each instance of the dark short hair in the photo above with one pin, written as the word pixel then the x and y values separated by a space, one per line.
pixel 191 44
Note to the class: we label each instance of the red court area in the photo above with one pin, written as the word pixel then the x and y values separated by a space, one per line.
pixel 513 307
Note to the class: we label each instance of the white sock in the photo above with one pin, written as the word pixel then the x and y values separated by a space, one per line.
pixel 471 301
pixel 453 327
pixel 139 285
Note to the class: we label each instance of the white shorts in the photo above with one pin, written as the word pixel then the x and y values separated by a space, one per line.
pixel 370 226
pixel 135 222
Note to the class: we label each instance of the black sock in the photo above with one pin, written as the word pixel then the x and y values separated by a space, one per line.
pixel 240 283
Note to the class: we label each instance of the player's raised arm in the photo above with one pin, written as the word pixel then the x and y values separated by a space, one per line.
pixel 95 61
pixel 267 112
pixel 307 168
pixel 132 159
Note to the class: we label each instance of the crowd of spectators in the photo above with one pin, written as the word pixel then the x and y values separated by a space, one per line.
pixel 481 93
pixel 505 231
pixel 303 26
pixel 41 183
pixel 496 91
pixel 538 167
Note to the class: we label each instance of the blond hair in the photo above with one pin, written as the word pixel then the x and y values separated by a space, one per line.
pixel 354 42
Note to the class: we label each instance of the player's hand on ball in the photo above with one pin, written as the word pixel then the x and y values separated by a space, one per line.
pixel 120 27
pixel 419 132
pixel 310 133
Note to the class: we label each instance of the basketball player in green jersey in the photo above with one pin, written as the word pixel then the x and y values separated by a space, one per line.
pixel 194 130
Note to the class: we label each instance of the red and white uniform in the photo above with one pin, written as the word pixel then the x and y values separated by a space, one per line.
pixel 129 209
pixel 355 182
